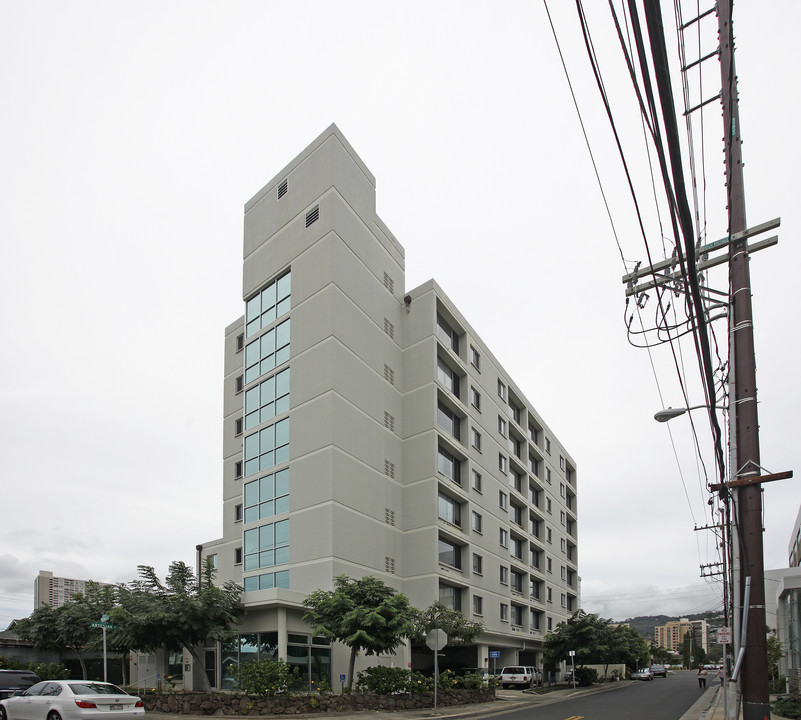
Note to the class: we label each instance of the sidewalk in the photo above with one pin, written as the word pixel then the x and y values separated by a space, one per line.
pixel 713 706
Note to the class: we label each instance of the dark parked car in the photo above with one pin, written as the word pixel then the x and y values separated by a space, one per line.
pixel 13 680
pixel 659 670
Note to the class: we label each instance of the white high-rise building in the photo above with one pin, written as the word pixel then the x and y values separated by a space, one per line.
pixel 55 591
pixel 370 431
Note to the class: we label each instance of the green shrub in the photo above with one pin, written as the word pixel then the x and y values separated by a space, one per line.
pixel 9 664
pixel 389 681
pixel 473 681
pixel 419 683
pixel 586 676
pixel 265 677
pixel 448 680
pixel 384 680
pixel 789 707
pixel 50 671
pixel 777 685
pixel 323 686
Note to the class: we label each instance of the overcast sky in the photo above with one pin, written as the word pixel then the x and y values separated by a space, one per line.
pixel 131 136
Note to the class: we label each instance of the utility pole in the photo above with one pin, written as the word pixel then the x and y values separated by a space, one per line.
pixel 748 498
pixel 743 490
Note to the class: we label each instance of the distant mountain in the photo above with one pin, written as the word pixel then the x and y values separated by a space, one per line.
pixel 645 624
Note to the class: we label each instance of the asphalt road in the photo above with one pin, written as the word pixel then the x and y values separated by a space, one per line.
pixel 658 699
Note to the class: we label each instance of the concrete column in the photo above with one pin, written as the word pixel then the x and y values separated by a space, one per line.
pixel 282 633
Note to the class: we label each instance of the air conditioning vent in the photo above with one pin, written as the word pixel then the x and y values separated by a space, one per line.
pixel 313 215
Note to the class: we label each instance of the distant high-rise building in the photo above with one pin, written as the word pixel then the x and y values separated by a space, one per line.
pixel 368 430
pixel 55 591
pixel 671 635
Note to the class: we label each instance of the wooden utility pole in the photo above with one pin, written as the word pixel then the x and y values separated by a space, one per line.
pixel 747 498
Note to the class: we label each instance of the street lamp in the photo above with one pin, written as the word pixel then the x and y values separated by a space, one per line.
pixel 670 413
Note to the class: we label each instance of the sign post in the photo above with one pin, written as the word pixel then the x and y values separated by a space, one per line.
pixel 436 640
pixel 724 638
pixel 494 655
pixel 572 654
pixel 105 625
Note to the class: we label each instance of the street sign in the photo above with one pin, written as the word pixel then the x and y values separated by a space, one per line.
pixel 105 625
pixel 724 636
pixel 495 653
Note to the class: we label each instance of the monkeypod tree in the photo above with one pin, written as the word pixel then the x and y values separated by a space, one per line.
pixel 181 613
pixel 454 624
pixel 366 615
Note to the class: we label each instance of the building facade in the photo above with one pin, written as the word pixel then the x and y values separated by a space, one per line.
pixel 368 430
pixel 794 547
pixel 787 592
pixel 55 591
pixel 671 635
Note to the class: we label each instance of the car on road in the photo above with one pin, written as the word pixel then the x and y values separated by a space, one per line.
pixel 71 700
pixel 519 676
pixel 643 674
pixel 659 671
pixel 13 680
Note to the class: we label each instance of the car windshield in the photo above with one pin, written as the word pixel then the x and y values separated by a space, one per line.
pixel 95 689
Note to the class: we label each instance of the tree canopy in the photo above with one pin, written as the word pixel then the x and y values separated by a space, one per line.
pixel 364 614
pixel 68 626
pixel 692 653
pixel 454 624
pixel 183 612
pixel 596 641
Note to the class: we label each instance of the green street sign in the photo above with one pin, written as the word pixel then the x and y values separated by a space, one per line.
pixel 106 625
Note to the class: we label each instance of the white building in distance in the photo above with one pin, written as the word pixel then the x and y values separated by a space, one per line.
pixel 55 591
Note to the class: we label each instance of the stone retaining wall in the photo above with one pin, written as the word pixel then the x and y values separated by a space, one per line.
pixel 245 705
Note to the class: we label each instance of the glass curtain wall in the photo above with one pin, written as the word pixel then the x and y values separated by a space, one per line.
pixel 311 656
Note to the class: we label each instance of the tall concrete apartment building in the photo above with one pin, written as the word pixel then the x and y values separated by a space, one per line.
pixel 671 635
pixel 55 591
pixel 370 431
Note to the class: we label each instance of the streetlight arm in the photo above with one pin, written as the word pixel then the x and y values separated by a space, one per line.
pixel 670 413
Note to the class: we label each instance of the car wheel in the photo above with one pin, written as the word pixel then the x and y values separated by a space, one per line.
pixel 3 715
pixel 53 715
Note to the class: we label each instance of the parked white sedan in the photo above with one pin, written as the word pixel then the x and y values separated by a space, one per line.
pixel 72 700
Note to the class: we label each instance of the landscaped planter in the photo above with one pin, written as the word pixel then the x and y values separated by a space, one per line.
pixel 243 705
